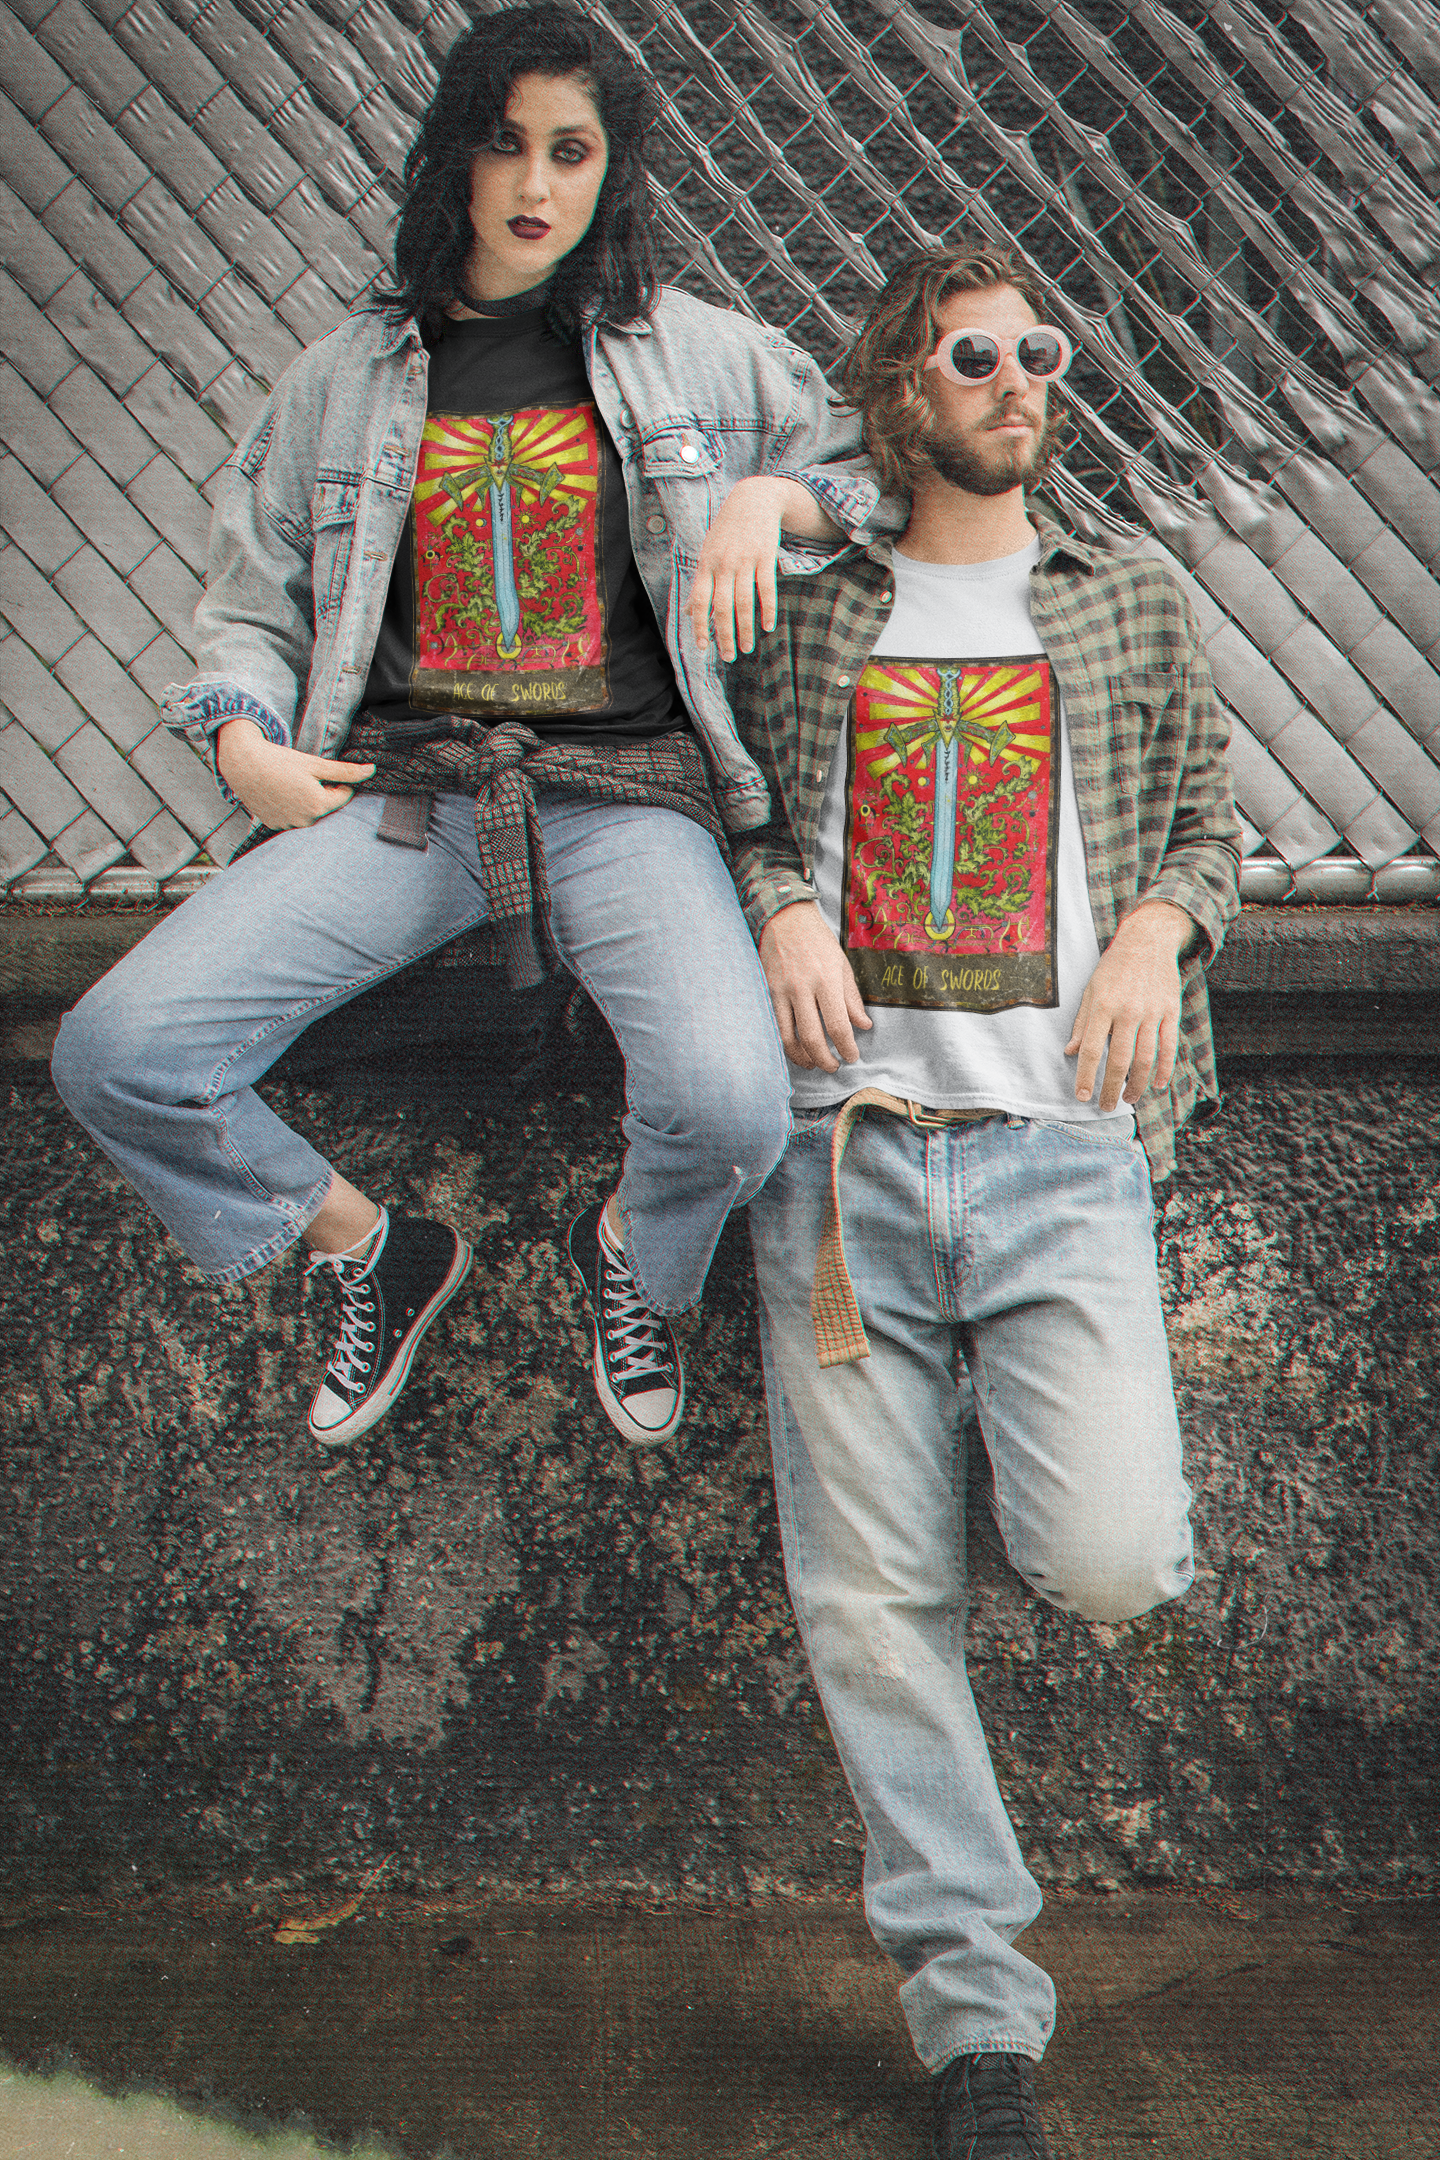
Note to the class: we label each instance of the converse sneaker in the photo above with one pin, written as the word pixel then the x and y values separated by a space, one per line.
pixel 392 1288
pixel 637 1359
pixel 985 2110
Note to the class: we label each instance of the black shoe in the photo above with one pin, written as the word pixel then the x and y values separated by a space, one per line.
pixel 391 1294
pixel 985 2110
pixel 637 1359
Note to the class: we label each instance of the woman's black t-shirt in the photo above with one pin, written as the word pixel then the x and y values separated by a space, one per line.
pixel 515 593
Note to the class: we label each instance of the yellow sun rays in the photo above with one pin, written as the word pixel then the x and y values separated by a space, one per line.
pixel 908 698
pixel 560 439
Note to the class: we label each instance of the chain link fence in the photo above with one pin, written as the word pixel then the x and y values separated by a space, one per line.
pixel 1232 208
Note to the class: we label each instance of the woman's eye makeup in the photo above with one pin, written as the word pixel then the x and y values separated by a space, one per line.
pixel 572 150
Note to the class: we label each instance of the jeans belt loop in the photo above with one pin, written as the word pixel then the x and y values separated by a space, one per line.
pixel 840 1337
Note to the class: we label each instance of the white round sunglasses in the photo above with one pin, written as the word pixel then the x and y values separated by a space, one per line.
pixel 974 356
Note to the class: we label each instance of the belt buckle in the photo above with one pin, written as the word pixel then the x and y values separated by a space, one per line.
pixel 927 1120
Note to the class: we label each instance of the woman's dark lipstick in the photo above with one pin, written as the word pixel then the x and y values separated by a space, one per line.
pixel 528 228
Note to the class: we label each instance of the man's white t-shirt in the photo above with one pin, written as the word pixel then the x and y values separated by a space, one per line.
pixel 949 860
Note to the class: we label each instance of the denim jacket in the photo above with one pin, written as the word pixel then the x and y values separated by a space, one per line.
pixel 313 503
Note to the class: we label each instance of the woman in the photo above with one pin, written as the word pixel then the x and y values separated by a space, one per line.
pixel 446 566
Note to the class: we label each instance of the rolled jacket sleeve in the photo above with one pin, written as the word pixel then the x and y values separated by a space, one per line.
pixel 825 454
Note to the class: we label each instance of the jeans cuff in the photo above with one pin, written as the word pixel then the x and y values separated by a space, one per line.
pixel 261 1255
pixel 988 2044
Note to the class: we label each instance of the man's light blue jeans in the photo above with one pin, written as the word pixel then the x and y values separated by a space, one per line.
pixel 158 1061
pixel 1018 1260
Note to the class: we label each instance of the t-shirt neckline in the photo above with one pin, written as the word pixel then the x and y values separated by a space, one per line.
pixel 999 566
pixel 497 326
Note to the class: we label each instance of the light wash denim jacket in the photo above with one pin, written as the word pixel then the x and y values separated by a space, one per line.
pixel 314 499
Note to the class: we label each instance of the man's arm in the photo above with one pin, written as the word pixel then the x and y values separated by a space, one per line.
pixel 1130 1011
pixel 812 988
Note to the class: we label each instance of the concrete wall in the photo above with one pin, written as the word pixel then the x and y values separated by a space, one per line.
pixel 498 1647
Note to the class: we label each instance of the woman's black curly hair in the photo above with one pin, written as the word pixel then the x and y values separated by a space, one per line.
pixel 613 276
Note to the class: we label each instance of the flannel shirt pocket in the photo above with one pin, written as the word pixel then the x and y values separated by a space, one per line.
pixel 1139 699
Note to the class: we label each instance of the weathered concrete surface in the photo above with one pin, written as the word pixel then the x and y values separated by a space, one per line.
pixel 510 2032
pixel 1308 980
pixel 499 1649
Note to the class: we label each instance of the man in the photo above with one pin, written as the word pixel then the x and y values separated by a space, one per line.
pixel 1003 847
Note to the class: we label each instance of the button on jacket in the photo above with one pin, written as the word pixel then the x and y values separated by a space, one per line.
pixel 1147 739
pixel 314 499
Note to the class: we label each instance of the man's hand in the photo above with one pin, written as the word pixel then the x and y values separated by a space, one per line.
pixel 1131 1006
pixel 737 559
pixel 280 786
pixel 812 987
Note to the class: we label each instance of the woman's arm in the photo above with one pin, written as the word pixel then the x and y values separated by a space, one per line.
pixel 254 635
pixel 280 786
pixel 738 558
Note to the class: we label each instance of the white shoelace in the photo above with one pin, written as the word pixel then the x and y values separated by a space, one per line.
pixel 356 1347
pixel 631 1325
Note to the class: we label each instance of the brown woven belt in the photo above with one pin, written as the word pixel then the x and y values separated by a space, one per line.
pixel 840 1337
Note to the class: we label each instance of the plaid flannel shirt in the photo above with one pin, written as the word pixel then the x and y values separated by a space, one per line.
pixel 1147 736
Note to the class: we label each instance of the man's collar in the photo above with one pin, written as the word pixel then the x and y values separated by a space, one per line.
pixel 1057 540
pixel 1054 540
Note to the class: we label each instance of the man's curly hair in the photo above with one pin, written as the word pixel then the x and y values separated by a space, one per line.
pixel 882 375
pixel 612 277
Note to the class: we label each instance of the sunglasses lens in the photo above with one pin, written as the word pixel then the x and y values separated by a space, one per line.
pixel 1040 353
pixel 974 357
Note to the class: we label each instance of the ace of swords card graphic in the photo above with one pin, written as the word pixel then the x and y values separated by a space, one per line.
pixel 952 823
pixel 510 605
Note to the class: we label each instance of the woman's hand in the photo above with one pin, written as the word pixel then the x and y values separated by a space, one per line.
pixel 280 786
pixel 737 560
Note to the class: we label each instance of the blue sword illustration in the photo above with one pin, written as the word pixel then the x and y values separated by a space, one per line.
pixel 497 470
pixel 949 738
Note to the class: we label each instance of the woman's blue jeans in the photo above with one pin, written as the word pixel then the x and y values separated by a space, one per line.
pixel 1009 1266
pixel 159 1060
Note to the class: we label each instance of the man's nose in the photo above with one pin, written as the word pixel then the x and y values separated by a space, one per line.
pixel 1012 381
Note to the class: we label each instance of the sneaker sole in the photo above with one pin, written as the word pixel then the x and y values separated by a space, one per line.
pixel 619 1416
pixel 372 1410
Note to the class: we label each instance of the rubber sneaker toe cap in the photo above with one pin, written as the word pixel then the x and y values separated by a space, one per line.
pixel 327 1412
pixel 656 1412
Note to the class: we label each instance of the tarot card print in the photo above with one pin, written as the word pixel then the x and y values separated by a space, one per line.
pixel 509 595
pixel 951 831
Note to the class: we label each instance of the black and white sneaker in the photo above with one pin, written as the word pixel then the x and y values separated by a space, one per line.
pixel 985 2109
pixel 637 1359
pixel 391 1292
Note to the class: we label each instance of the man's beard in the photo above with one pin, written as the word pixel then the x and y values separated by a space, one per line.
pixel 960 460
